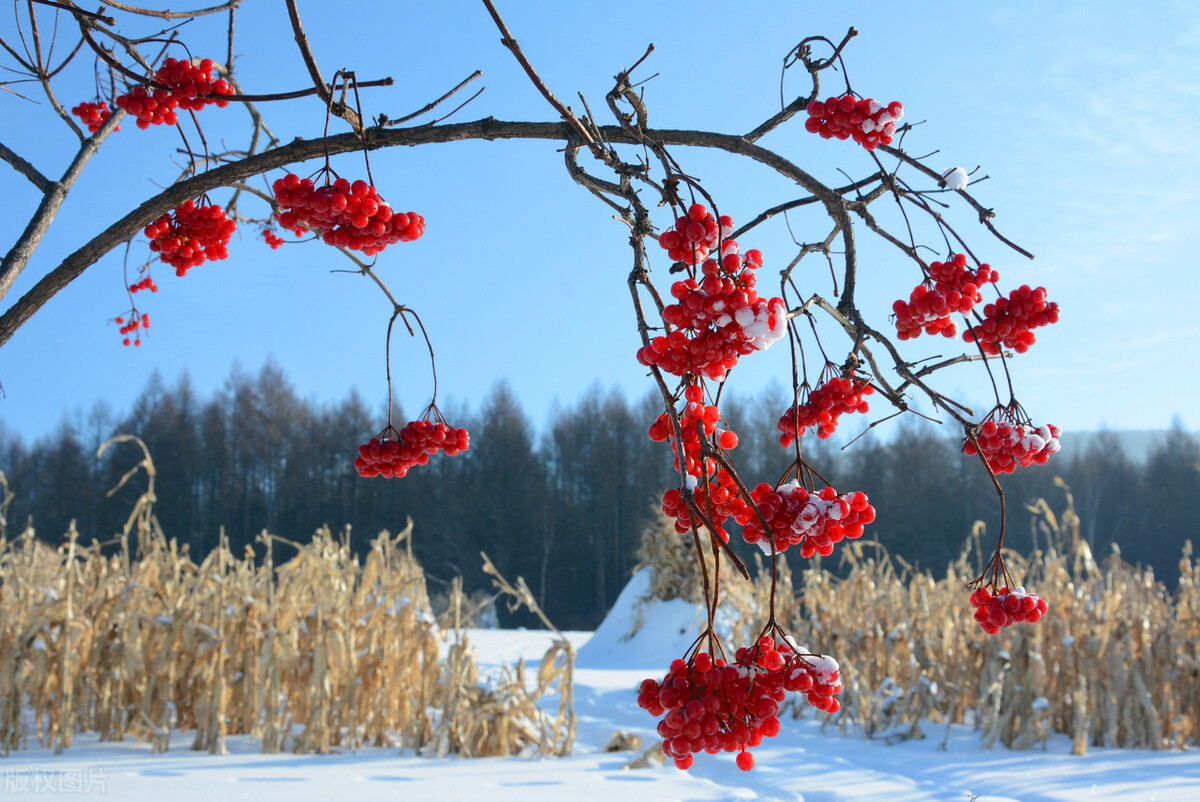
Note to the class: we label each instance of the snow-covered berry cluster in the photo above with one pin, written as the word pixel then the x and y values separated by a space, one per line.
pixel 1007 445
pixel 131 326
pixel 951 287
pixel 345 214
pixel 713 706
pixel 1009 321
pixel 812 521
pixel 191 235
pixel 93 115
pixel 718 317
pixel 866 121
pixel 1006 607
pixel 393 454
pixel 182 85
pixel 831 399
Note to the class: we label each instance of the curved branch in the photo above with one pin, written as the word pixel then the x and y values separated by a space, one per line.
pixel 22 251
pixel 147 12
pixel 302 150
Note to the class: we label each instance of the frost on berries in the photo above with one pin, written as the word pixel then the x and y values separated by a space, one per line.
pixel 866 121
pixel 715 706
pixel 718 316
pixel 1008 445
pixel 798 517
pixel 191 235
pixel 180 85
pixel 393 453
pixel 1006 607
pixel 345 214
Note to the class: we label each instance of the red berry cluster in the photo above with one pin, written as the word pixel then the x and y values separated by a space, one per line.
pixel 1006 607
pixel 131 329
pixel 719 503
pixel 191 235
pixel 347 215
pixel 1007 446
pixel 273 239
pixel 951 287
pixel 694 417
pixel 393 453
pixel 833 398
pixel 695 235
pixel 814 522
pixel 93 115
pixel 1010 321
pixel 868 122
pixel 145 283
pixel 717 318
pixel 713 706
pixel 182 85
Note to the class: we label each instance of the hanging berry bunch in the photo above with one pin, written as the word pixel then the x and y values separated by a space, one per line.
pixel 695 235
pixel 798 517
pixel 717 500
pixel 392 453
pixel 132 324
pixel 717 706
pixel 273 239
pixel 345 214
pixel 144 283
pixel 180 85
pixel 719 316
pixel 1009 322
pixel 1012 441
pixel 191 235
pixel 866 121
pixel 951 287
pixel 93 115
pixel 1006 607
pixel 695 418
pixel 834 397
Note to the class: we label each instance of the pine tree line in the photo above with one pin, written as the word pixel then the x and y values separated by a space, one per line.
pixel 565 507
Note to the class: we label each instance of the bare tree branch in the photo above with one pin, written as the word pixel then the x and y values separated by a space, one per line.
pixel 25 168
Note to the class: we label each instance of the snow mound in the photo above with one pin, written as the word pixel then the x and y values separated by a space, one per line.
pixel 641 631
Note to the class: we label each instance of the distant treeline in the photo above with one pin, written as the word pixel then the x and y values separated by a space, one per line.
pixel 565 508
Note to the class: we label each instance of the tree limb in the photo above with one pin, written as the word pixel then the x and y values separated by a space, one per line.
pixel 26 169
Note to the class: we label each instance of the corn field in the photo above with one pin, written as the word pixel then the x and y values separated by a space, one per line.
pixel 1116 662
pixel 323 651
pixel 331 650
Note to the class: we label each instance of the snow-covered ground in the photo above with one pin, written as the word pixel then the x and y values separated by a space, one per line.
pixel 802 763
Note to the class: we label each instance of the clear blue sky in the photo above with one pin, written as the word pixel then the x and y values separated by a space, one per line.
pixel 1082 114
